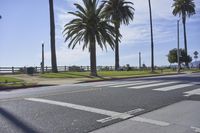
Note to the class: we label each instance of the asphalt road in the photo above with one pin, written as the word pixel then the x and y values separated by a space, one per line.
pixel 80 108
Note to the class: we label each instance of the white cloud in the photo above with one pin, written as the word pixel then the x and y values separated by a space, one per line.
pixel 66 56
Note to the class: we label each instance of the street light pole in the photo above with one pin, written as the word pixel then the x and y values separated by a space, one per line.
pixel 139 60
pixel 42 63
pixel 152 45
pixel 178 53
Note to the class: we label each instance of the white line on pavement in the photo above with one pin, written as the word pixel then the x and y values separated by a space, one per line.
pixel 169 88
pixel 151 85
pixel 75 106
pixel 112 114
pixel 150 121
pixel 136 83
pixel 117 83
pixel 131 113
pixel 196 129
pixel 193 92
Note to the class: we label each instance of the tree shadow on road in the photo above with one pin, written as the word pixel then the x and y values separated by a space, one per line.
pixel 19 124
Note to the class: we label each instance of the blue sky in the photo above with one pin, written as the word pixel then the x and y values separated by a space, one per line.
pixel 25 25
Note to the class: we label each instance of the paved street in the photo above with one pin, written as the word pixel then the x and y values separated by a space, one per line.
pixel 87 107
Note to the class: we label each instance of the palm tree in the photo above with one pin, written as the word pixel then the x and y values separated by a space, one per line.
pixel 89 27
pixel 184 8
pixel 118 11
pixel 52 36
pixel 152 45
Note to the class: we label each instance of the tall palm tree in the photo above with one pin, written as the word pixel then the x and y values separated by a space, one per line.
pixel 91 28
pixel 184 8
pixel 118 11
pixel 152 45
pixel 52 36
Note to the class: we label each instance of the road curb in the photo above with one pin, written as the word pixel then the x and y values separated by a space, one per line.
pixel 113 79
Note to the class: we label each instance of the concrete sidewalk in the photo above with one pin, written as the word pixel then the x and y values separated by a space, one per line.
pixel 182 117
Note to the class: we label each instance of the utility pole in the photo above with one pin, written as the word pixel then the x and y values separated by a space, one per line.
pixel 152 44
pixel 42 63
pixel 178 53
pixel 139 60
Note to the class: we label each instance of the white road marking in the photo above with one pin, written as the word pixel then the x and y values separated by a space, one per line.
pixel 150 121
pixel 169 88
pixel 136 83
pixel 112 114
pixel 117 83
pixel 196 129
pixel 151 85
pixel 193 92
pixel 75 106
pixel 131 113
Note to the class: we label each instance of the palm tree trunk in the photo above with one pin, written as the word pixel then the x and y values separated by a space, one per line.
pixel 93 70
pixel 152 45
pixel 185 39
pixel 117 47
pixel 52 36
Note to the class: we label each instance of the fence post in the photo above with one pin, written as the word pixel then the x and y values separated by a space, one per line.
pixel 13 71
pixel 65 68
pixel 25 70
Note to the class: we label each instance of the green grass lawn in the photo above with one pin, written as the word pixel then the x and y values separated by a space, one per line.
pixel 102 74
pixel 66 75
pixel 113 74
pixel 9 82
pixel 8 79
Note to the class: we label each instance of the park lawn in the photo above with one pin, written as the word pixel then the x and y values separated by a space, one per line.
pixel 101 74
pixel 10 82
pixel 66 75
pixel 195 70
pixel 8 79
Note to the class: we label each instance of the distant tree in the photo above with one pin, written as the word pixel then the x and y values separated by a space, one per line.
pixel 91 28
pixel 184 8
pixel 52 36
pixel 172 56
pixel 196 55
pixel 119 12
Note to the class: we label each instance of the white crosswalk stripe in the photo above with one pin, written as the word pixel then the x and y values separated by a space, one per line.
pixel 169 88
pixel 151 85
pixel 113 84
pixel 136 83
pixel 160 85
pixel 193 92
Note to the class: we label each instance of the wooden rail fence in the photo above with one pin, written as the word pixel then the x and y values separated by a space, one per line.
pixel 19 70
